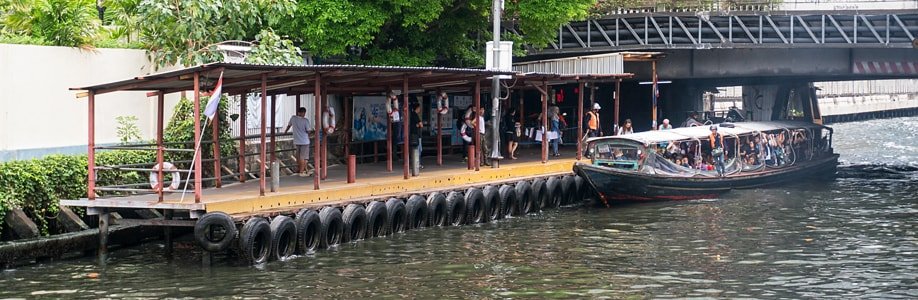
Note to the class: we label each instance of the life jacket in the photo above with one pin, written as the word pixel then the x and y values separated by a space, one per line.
pixel 593 123
pixel 719 138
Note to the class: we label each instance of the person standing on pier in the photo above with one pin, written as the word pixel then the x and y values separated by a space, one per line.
pixel 414 138
pixel 626 128
pixel 592 120
pixel 301 128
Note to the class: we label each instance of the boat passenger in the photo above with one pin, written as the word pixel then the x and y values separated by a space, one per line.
pixel 626 128
pixel 692 120
pixel 749 152
pixel 717 150
pixel 665 125
pixel 685 163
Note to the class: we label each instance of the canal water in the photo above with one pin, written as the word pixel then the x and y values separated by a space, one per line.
pixel 854 237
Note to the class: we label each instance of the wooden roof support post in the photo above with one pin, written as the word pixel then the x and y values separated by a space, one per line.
pixel 544 92
pixel 243 112
pixel 324 134
pixel 580 92
pixel 317 95
pixel 439 134
pixel 477 96
pixel 262 184
pixel 215 136
pixel 273 143
pixel 405 120
pixel 91 157
pixel 160 103
pixel 618 94
pixel 197 137
pixel 389 136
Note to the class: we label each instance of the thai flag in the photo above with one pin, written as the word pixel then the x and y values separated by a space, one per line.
pixel 214 103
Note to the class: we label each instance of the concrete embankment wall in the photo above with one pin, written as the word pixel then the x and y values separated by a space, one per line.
pixel 39 114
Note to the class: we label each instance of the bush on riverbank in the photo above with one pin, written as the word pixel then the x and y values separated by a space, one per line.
pixel 37 185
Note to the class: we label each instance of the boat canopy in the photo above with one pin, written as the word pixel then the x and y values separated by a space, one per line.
pixel 702 132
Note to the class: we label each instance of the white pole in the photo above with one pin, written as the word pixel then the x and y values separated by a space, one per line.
pixel 495 86
pixel 197 147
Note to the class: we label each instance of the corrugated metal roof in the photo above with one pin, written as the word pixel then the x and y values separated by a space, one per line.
pixel 611 63
pixel 242 76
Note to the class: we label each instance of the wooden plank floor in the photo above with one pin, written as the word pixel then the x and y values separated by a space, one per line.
pixel 373 182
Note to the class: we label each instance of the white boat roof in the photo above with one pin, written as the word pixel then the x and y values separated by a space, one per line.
pixel 700 132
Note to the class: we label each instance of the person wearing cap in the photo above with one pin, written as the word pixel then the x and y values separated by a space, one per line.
pixel 665 125
pixel 717 150
pixel 592 120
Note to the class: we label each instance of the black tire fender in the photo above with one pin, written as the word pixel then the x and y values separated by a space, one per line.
pixel 540 194
pixel 436 210
pixel 568 190
pixel 377 219
pixel 508 201
pixel 355 223
pixel 255 240
pixel 524 194
pixel 332 227
pixel 492 203
pixel 308 231
pixel 283 238
pixel 455 208
pixel 581 187
pixel 215 231
pixel 398 215
pixel 417 211
pixel 553 189
pixel 474 206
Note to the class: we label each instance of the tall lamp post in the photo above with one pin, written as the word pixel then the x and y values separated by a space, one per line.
pixel 496 10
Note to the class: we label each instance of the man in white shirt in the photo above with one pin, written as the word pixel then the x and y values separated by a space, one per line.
pixel 301 128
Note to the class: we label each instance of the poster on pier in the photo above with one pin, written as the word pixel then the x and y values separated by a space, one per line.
pixel 369 118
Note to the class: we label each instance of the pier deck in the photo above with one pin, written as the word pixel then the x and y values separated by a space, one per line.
pixel 242 200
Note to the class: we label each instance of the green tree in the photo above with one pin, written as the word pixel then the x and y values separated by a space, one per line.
pixel 422 32
pixel 71 23
pixel 186 31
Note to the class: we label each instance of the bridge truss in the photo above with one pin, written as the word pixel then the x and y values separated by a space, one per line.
pixel 791 29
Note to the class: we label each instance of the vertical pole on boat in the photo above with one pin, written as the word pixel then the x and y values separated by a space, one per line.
pixel 262 184
pixel 579 119
pixel 243 113
pixel 215 137
pixel 317 94
pixel 273 145
pixel 405 128
pixel 618 94
pixel 544 93
pixel 477 97
pixel 197 137
pixel 91 151
pixel 160 101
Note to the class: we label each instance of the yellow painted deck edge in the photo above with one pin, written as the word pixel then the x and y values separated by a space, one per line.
pixel 387 187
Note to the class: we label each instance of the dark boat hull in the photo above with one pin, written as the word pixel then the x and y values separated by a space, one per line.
pixel 613 185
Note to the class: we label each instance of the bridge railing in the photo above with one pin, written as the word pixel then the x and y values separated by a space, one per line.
pixel 620 7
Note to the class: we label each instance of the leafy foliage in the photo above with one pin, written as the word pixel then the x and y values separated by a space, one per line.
pixel 186 31
pixel 272 49
pixel 24 185
pixel 181 129
pixel 70 23
pixel 127 129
